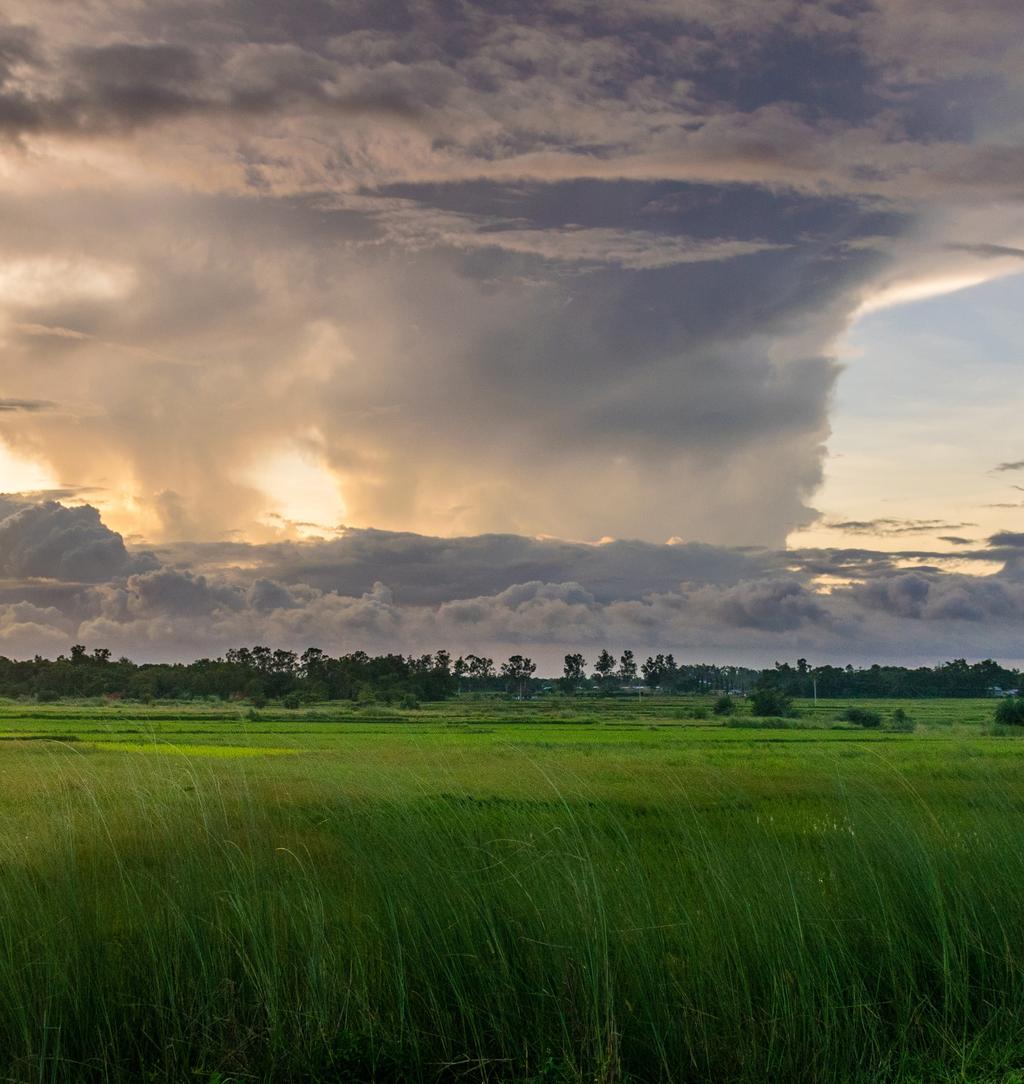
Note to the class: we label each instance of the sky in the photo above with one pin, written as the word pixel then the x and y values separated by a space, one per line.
pixel 662 324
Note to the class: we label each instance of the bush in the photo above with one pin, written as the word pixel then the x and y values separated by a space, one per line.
pixel 724 705
pixel 771 703
pixel 292 701
pixel 1011 711
pixel 409 702
pixel 862 717
pixel 698 713
pixel 901 721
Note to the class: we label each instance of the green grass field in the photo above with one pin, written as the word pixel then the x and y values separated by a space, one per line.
pixel 598 891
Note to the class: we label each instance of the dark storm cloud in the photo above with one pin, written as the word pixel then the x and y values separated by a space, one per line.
pixel 120 87
pixel 654 86
pixel 1007 539
pixel 170 591
pixel 931 597
pixel 497 593
pixel 427 571
pixel 774 605
pixel 52 541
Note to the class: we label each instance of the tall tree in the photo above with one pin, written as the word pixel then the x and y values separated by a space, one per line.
pixel 574 672
pixel 480 668
pixel 460 668
pixel 627 668
pixel 517 672
pixel 604 667
pixel 654 670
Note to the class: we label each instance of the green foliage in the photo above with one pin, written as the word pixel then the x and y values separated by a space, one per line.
pixel 862 717
pixel 257 674
pixel 901 721
pixel 366 695
pixel 770 701
pixel 956 678
pixel 724 705
pixel 1010 711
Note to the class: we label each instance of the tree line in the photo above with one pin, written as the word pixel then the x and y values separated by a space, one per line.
pixel 260 674
pixel 956 679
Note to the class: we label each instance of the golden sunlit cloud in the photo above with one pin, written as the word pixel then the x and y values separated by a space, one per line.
pixel 303 497
pixel 20 475
pixel 911 289
pixel 52 279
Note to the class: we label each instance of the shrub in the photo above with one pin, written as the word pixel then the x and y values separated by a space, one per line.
pixel 901 721
pixel 699 713
pixel 292 701
pixel 862 717
pixel 409 702
pixel 1011 711
pixel 771 703
pixel 253 716
pixel 724 705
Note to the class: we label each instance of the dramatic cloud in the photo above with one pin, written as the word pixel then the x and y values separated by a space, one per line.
pixel 54 542
pixel 479 276
pixel 373 590
pixel 564 269
pixel 426 571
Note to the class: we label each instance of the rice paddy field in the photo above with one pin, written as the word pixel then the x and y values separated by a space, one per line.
pixel 553 891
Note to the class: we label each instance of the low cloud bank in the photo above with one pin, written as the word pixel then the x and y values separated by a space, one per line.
pixel 69 578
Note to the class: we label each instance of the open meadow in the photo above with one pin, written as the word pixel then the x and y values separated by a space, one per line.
pixel 552 891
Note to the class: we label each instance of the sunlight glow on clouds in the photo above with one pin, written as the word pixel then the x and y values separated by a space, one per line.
pixel 53 280
pixel 922 289
pixel 303 497
pixel 18 475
